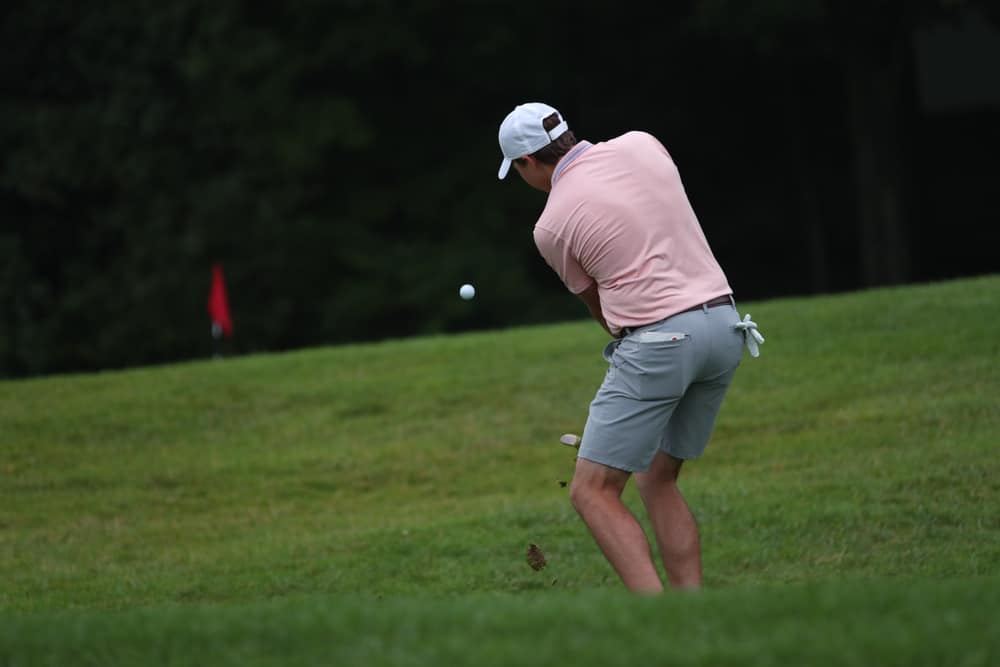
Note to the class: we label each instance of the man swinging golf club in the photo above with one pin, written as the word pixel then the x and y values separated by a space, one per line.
pixel 619 231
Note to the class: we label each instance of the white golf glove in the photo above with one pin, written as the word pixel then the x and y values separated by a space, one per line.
pixel 751 336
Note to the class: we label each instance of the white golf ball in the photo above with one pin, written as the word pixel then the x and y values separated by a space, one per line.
pixel 467 291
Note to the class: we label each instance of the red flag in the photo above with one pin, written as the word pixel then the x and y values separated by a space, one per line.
pixel 218 303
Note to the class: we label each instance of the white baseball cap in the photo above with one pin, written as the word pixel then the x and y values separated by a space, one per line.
pixel 522 133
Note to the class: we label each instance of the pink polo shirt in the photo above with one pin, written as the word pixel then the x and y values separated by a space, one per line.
pixel 618 215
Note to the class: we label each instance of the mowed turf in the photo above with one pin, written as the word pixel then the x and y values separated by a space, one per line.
pixel 852 486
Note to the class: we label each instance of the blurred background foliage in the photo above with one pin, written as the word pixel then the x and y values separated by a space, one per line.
pixel 339 158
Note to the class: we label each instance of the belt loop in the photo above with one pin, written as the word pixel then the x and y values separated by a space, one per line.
pixel 704 307
pixel 732 300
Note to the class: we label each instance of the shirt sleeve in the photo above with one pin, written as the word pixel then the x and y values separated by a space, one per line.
pixel 556 254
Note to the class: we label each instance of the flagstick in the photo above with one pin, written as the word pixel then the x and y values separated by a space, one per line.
pixel 216 340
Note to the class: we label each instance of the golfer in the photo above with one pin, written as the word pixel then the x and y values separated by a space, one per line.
pixel 619 231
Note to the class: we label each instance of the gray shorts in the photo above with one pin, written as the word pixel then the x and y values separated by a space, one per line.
pixel 664 387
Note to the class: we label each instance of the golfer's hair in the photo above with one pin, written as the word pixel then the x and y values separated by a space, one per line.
pixel 552 153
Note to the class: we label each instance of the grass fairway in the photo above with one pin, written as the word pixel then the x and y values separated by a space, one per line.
pixel 931 623
pixel 372 504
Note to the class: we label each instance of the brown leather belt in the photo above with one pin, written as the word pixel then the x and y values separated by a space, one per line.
pixel 718 301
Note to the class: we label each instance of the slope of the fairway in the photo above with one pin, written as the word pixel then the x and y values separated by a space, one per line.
pixel 861 444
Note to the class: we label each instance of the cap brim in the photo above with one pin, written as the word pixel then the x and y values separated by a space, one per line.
pixel 504 168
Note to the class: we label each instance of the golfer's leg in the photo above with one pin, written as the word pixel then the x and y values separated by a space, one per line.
pixel 675 528
pixel 596 494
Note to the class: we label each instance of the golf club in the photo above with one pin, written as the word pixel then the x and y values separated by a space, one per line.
pixel 570 440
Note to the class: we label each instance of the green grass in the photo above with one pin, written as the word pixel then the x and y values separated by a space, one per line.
pixel 935 623
pixel 382 493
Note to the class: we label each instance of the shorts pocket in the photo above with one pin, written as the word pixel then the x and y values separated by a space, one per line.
pixel 655 369
pixel 647 337
pixel 610 349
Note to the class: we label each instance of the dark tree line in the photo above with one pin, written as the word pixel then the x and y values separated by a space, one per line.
pixel 339 160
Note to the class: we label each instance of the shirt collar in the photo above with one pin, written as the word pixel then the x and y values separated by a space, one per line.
pixel 574 153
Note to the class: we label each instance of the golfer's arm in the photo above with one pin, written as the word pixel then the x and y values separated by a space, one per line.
pixel 592 298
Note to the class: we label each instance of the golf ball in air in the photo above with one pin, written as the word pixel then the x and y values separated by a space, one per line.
pixel 467 291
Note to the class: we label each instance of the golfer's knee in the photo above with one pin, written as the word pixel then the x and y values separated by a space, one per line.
pixel 664 469
pixel 583 494
pixel 577 493
pixel 595 484
pixel 656 479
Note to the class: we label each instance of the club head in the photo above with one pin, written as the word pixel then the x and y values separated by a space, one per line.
pixel 570 440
